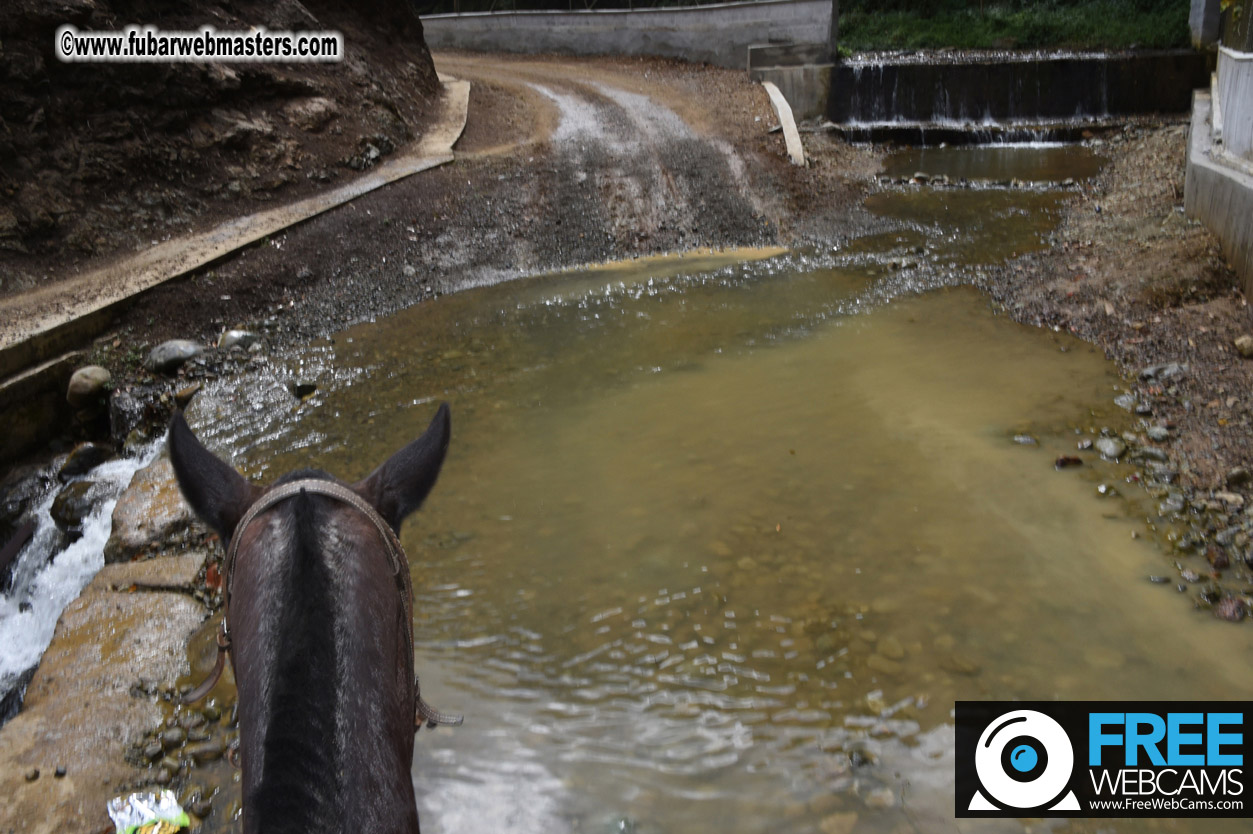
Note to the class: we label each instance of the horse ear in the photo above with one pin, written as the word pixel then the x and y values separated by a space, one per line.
pixel 218 494
pixel 400 485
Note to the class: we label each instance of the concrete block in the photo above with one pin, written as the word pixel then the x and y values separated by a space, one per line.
pixel 1219 194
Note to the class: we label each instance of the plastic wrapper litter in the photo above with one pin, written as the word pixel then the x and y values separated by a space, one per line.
pixel 146 813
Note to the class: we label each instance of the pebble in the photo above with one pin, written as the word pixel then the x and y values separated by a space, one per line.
pixel 1230 609
pixel 1110 447
pixel 881 798
pixel 842 823
pixel 1174 504
pixel 1244 344
pixel 878 663
pixel 87 385
pixel 191 719
pixel 237 338
pixel 959 664
pixel 207 751
pixel 168 357
pixel 1158 434
pixel 153 751
pixel 59 772
pixel 1231 499
pixel 1126 401
pixel 32 774
pixel 173 737
pixel 1025 440
pixel 1239 476
pixel 1163 371
pixel 891 648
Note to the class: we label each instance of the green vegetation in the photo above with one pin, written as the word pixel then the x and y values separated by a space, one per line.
pixel 1013 24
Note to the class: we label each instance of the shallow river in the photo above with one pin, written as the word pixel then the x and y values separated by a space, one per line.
pixel 721 539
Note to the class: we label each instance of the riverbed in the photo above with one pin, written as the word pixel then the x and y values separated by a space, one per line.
pixel 722 538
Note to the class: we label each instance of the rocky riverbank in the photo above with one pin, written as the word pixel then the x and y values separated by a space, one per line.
pixel 1129 272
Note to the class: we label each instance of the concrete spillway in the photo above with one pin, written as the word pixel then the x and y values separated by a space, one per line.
pixel 937 97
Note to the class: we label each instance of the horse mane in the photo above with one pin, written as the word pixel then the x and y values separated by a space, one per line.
pixel 299 786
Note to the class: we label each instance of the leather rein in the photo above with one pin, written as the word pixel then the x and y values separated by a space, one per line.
pixel 424 713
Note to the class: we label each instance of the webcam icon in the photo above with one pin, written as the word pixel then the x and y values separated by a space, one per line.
pixel 1024 761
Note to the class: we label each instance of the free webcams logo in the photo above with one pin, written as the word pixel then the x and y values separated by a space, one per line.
pixel 1101 759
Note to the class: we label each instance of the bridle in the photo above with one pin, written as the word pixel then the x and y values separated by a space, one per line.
pixel 424 713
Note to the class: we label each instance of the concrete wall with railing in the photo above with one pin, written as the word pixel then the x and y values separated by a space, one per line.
pixel 717 34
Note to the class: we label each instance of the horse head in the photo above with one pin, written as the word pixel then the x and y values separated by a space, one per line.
pixel 318 622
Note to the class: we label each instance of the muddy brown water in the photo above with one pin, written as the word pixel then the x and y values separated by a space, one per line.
pixel 721 539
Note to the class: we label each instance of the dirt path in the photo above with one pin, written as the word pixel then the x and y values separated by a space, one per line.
pixel 562 163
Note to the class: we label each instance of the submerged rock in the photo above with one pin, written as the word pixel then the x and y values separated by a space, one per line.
pixel 84 458
pixel 1110 447
pixel 72 505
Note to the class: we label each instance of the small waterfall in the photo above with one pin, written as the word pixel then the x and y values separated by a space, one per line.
pixel 1047 96
pixel 46 581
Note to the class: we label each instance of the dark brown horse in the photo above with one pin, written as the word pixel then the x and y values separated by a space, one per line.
pixel 319 627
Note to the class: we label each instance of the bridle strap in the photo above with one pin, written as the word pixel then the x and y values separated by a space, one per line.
pixel 342 493
pixel 400 568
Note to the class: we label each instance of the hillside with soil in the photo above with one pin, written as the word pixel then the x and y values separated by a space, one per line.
pixel 98 160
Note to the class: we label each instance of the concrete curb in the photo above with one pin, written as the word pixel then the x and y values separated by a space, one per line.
pixel 37 325
pixel 791 136
pixel 1218 194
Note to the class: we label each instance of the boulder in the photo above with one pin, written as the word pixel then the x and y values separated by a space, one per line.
pixel 87 386
pixel 73 504
pixel 84 458
pixel 150 509
pixel 168 357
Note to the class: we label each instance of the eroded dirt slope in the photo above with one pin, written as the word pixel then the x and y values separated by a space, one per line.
pixel 99 159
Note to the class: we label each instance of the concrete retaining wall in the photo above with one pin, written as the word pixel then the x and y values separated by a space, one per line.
pixel 1220 195
pixel 719 34
pixel 1235 100
pixel 1050 87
